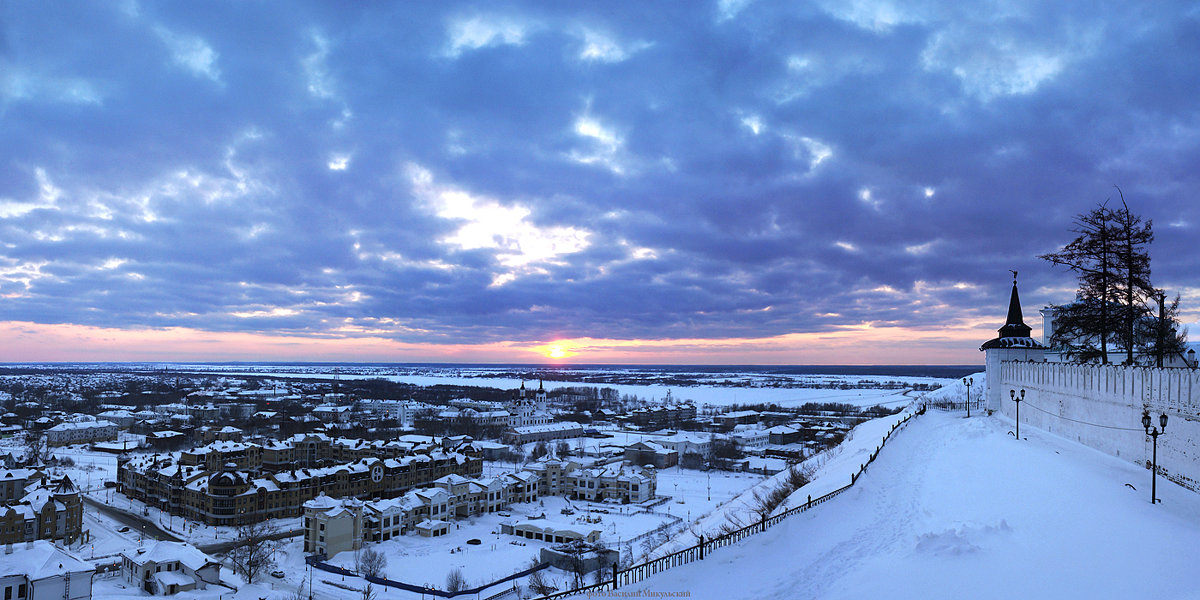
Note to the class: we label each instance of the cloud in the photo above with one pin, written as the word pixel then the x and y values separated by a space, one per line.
pixel 18 86
pixel 535 172
pixel 520 245
pixel 191 53
pixel 476 32
pixel 320 82
pixel 603 48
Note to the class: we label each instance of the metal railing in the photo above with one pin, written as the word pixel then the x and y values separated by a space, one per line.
pixel 636 573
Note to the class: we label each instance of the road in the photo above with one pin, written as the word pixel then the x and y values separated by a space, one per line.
pixel 220 547
pixel 135 521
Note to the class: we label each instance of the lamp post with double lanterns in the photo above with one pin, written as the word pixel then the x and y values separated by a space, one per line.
pixel 1154 432
pixel 967 381
pixel 1013 394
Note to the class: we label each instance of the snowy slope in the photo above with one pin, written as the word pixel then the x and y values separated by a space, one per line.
pixel 957 508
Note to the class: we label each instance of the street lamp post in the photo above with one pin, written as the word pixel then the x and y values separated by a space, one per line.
pixel 1013 395
pixel 1154 432
pixel 967 381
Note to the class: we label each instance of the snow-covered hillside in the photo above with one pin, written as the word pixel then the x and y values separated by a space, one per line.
pixel 957 508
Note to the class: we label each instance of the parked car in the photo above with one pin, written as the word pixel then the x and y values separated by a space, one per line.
pixel 123 529
pixel 277 574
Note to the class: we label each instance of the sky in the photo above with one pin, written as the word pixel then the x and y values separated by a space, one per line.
pixel 739 181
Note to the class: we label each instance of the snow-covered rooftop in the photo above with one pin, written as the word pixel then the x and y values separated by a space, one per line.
pixel 39 560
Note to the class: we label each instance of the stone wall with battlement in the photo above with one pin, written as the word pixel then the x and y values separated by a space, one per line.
pixel 1101 406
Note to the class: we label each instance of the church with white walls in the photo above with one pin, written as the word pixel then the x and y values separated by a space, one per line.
pixel 525 410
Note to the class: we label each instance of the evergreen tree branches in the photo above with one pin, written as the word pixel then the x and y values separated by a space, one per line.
pixel 1112 309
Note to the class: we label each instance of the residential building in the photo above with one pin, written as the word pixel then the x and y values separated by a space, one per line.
pixel 204 413
pixel 731 419
pixel 612 482
pixel 552 475
pixel 544 432
pixel 649 453
pixel 49 510
pixel 337 525
pixel 258 482
pixel 397 410
pixel 169 567
pixel 784 434
pixel 165 439
pixel 123 418
pixel 227 433
pixel 332 413
pixel 750 436
pixel 38 570
pixel 85 432
pixel 14 481
pixel 686 442
pixel 235 410
pixel 667 415
pixel 332 525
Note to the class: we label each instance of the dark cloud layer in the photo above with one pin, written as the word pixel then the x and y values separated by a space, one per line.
pixel 455 173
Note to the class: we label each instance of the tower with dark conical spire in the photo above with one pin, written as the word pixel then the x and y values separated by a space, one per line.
pixel 1012 343
pixel 525 410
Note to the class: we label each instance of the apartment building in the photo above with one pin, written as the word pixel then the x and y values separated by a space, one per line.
pixel 247 488
pixel 45 510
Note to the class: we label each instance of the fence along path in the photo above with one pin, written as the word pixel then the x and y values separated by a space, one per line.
pixel 636 573
pixel 423 590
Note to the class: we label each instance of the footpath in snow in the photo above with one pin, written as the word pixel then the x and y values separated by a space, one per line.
pixel 958 508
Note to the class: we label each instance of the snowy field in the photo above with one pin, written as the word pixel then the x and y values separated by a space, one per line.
pixel 715 395
pixel 759 385
pixel 957 508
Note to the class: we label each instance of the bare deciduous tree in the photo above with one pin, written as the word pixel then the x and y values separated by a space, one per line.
pixel 251 557
pixel 455 582
pixel 371 562
pixel 539 584
pixel 36 450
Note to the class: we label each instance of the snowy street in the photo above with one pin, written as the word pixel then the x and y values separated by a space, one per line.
pixel 957 508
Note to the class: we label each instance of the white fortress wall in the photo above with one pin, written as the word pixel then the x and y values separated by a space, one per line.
pixel 1101 406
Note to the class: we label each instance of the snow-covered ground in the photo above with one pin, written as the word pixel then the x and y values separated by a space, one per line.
pixel 419 560
pixel 957 508
pixel 757 389
pixel 705 498
pixel 830 470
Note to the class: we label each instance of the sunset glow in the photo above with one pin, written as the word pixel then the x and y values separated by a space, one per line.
pixel 556 351
pixel 31 342
pixel 713 182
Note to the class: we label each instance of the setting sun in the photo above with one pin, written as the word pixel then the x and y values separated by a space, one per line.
pixel 556 351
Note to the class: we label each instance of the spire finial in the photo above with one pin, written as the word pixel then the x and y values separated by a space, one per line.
pixel 1014 276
